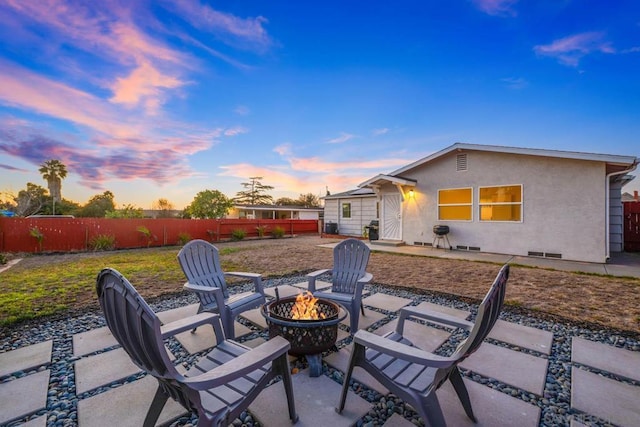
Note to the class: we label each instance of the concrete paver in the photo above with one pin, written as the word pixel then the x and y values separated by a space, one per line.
pixel 511 367
pixel 103 368
pixel 126 405
pixel 451 311
pixel 255 316
pixel 284 291
pixel 610 400
pixel 25 358
pixel 522 336
pixel 618 361
pixel 422 336
pixel 340 360
pixel 386 302
pixel 204 337
pixel 316 399
pixel 398 421
pixel 23 396
pixel 370 317
pixel 93 340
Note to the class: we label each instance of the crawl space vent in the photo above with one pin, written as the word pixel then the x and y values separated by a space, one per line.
pixel 461 162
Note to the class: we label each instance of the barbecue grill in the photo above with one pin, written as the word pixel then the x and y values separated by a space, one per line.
pixel 440 234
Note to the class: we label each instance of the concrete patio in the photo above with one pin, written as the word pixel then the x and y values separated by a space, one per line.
pixel 604 380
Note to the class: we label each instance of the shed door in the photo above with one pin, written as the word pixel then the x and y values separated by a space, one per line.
pixel 391 217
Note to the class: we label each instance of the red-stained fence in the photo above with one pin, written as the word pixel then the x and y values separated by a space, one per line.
pixel 76 234
pixel 632 226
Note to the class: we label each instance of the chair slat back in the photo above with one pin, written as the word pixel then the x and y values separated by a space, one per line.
pixel 350 259
pixel 488 313
pixel 200 262
pixel 137 329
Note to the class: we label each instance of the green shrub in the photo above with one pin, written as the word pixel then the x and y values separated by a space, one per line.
pixel 146 234
pixel 212 235
pixel 37 234
pixel 183 238
pixel 102 242
pixel 3 259
pixel 277 232
pixel 238 234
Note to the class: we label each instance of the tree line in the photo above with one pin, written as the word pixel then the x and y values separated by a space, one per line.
pixel 37 200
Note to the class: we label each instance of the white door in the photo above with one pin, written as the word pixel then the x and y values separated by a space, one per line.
pixel 391 217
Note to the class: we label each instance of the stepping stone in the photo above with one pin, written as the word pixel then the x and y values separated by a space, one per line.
pixel 367 320
pixel 316 399
pixel 92 341
pixel 396 420
pixel 204 337
pixel 126 405
pixel 321 285
pixel 509 366
pixel 491 407
pixel 284 291
pixel 25 358
pixel 41 421
pixel 172 315
pixel 522 336
pixel 450 311
pixel 422 336
pixel 23 396
pixel 618 361
pixel 386 302
pixel 340 361
pixel 605 398
pixel 104 368
pixel 255 316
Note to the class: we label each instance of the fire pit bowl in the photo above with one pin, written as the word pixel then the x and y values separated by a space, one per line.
pixel 308 338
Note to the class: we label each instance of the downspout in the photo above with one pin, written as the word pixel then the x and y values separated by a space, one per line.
pixel 607 206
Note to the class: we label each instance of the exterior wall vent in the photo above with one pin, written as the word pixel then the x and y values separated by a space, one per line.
pixel 474 248
pixel 551 255
pixel 535 253
pixel 544 254
pixel 461 162
pixel 468 248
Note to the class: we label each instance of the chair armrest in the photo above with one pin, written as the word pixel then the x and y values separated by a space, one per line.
pixel 199 288
pixel 241 365
pixel 432 317
pixel 311 277
pixel 366 278
pixel 188 323
pixel 400 351
pixel 255 277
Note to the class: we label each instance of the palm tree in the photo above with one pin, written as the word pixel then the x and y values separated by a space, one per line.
pixel 54 171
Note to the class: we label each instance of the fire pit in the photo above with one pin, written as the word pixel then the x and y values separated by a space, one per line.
pixel 309 324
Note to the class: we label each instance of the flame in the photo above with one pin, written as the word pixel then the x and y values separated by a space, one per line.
pixel 306 308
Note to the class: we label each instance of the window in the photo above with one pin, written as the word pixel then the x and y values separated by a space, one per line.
pixel 502 203
pixel 455 204
pixel 346 210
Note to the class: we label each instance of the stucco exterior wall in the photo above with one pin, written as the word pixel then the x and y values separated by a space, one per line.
pixel 562 209
pixel 363 210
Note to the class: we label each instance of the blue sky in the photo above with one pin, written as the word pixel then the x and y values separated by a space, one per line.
pixel 163 99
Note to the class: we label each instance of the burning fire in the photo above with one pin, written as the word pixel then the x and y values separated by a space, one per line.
pixel 306 308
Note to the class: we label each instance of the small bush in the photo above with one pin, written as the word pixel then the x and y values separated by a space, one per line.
pixel 37 234
pixel 183 238
pixel 277 232
pixel 3 259
pixel 213 234
pixel 238 234
pixel 102 242
pixel 146 234
pixel 261 229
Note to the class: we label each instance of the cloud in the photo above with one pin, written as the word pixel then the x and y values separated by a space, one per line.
pixel 235 131
pixel 515 82
pixel 632 50
pixel 496 7
pixel 12 168
pixel 344 137
pixel 283 149
pixel 242 110
pixel 378 132
pixel 571 49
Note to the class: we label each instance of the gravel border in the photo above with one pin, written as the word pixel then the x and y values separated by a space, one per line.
pixel 62 401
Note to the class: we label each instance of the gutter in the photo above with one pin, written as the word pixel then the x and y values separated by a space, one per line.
pixel 607 185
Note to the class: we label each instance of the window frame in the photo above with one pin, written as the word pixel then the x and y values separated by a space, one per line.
pixel 342 210
pixel 520 204
pixel 470 204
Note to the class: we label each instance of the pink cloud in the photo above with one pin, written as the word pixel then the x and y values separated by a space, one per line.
pixel 570 50
pixel 238 130
pixel 496 7
pixel 344 137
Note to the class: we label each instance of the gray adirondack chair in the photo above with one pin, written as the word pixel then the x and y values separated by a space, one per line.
pixel 200 263
pixel 222 383
pixel 348 277
pixel 414 375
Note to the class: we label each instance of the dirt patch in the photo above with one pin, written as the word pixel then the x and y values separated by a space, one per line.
pixel 607 301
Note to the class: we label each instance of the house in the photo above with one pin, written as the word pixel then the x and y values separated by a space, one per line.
pixel 273 212
pixel 517 201
pixel 347 213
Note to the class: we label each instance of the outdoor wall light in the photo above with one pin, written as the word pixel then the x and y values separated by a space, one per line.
pixel 411 194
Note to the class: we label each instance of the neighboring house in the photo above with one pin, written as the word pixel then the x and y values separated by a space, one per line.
pixel 273 212
pixel 628 197
pixel 516 201
pixel 351 211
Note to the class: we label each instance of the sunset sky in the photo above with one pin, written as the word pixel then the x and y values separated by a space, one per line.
pixel 163 98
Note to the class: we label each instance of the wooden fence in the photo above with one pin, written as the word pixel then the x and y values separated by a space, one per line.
pixel 632 226
pixel 77 234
